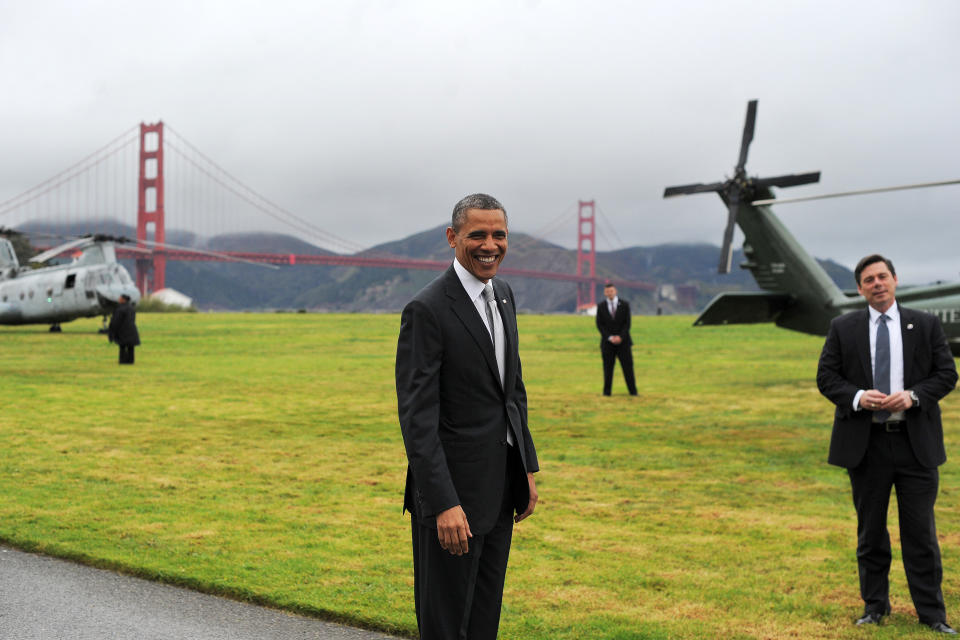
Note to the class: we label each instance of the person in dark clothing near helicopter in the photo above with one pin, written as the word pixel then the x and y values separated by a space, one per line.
pixel 123 329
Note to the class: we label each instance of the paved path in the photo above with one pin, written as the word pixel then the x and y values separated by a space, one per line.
pixel 44 598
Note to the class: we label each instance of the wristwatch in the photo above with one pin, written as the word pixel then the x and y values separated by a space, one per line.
pixel 914 397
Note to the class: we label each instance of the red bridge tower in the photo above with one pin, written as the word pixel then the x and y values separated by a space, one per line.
pixel 586 253
pixel 151 272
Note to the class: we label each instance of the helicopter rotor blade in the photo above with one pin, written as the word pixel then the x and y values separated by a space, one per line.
pixel 791 180
pixel 215 254
pixel 692 188
pixel 66 246
pixel 748 127
pixel 726 249
pixel 921 185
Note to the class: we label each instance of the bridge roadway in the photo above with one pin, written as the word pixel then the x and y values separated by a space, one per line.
pixel 388 262
pixel 44 598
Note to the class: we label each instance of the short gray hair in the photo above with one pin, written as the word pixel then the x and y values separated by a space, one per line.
pixel 474 201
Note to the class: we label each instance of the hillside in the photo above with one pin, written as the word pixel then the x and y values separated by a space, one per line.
pixel 234 286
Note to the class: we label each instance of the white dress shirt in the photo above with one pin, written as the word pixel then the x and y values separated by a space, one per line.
pixel 474 288
pixel 896 353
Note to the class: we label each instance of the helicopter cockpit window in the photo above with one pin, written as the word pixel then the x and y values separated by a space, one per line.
pixel 31 294
pixel 71 281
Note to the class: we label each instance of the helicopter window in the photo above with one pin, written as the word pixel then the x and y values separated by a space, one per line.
pixel 49 293
pixel 4 297
pixel 71 281
pixel 89 294
pixel 21 295
pixel 31 294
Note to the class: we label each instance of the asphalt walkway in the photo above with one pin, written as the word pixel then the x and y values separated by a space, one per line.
pixel 44 598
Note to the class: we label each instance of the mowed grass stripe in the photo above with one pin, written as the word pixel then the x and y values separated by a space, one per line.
pixel 259 456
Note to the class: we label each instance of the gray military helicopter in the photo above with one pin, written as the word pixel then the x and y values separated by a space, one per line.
pixel 797 292
pixel 89 285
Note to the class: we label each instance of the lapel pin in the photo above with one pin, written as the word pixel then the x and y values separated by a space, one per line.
pixel 909 326
pixel 504 301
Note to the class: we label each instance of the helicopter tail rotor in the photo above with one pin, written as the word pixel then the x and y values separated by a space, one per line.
pixel 726 248
pixel 748 127
pixel 740 188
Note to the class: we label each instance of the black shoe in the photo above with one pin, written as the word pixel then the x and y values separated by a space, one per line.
pixel 941 627
pixel 870 618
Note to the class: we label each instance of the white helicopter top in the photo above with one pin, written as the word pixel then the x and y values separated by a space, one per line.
pixel 90 285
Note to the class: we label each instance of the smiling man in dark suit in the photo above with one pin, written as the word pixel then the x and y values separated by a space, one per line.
pixel 886 368
pixel 613 323
pixel 463 415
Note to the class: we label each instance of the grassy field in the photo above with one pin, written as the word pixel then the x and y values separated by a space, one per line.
pixel 259 456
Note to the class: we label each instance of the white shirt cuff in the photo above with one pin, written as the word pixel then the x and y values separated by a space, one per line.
pixel 856 399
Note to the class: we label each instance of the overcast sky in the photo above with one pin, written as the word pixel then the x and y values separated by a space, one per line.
pixel 371 118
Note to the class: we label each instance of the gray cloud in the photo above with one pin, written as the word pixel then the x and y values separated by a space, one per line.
pixel 371 119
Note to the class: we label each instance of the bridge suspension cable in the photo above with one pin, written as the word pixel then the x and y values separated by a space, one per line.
pixel 234 185
pixel 124 141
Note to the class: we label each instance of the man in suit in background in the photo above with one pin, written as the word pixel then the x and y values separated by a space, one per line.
pixel 123 329
pixel 613 322
pixel 463 415
pixel 886 368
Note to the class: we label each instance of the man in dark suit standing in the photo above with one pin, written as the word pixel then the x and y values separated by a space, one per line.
pixel 123 329
pixel 463 415
pixel 613 322
pixel 886 368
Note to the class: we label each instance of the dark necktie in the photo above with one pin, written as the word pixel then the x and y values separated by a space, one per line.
pixel 881 367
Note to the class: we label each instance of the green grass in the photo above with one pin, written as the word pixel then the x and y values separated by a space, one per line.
pixel 259 456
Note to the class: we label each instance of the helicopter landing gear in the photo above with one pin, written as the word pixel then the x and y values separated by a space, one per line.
pixel 55 328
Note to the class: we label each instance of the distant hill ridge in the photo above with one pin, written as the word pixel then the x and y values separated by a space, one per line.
pixel 233 286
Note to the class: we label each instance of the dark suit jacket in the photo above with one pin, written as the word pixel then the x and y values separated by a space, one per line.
pixel 845 368
pixel 618 325
pixel 453 411
pixel 123 326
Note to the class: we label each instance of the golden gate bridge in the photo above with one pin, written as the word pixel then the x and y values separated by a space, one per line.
pixel 100 185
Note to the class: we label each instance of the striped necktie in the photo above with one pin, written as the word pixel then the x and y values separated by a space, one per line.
pixel 881 365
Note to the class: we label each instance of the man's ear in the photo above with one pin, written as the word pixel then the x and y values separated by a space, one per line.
pixel 451 237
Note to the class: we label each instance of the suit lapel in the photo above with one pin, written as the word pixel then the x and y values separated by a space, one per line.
pixel 863 346
pixel 465 310
pixel 909 338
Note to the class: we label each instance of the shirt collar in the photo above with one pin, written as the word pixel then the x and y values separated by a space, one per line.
pixel 615 301
pixel 471 284
pixel 893 313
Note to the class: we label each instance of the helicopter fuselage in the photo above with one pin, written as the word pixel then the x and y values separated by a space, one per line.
pixel 89 286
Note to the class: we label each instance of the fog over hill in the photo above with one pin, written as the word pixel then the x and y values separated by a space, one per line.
pixel 236 286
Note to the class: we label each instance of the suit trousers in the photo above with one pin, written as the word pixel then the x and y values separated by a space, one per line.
pixel 459 597
pixel 126 354
pixel 610 353
pixel 890 462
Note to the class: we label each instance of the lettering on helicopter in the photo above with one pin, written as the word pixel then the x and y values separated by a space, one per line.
pixel 946 316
